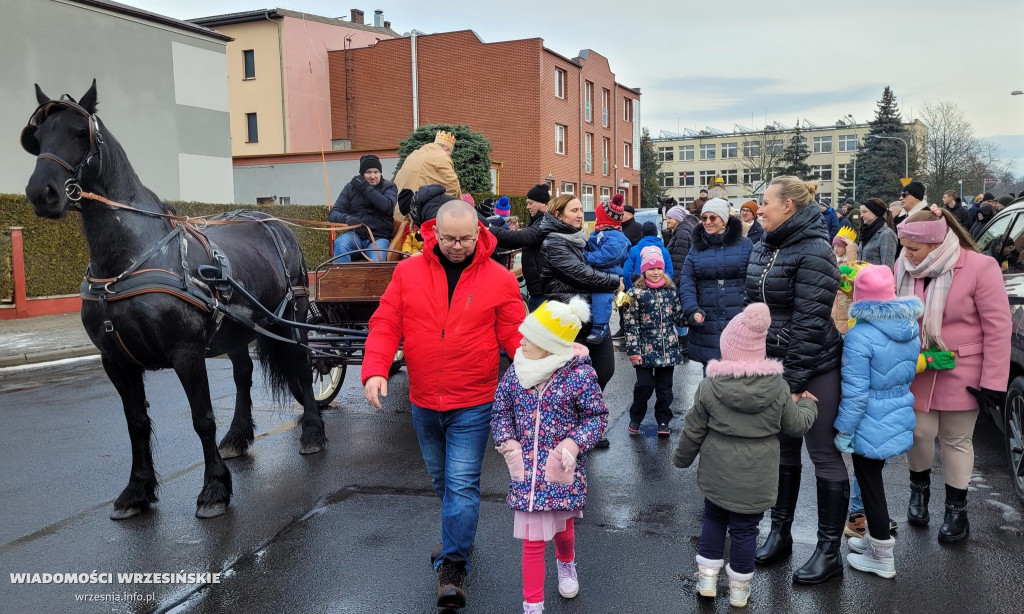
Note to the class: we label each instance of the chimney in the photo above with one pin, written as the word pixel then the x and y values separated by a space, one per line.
pixel 387 25
pixel 378 16
pixel 357 17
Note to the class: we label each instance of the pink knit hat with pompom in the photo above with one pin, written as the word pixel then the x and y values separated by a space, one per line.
pixel 744 337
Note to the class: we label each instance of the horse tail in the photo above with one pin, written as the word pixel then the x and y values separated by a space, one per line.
pixel 276 362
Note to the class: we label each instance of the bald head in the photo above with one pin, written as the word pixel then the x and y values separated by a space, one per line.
pixel 457 230
pixel 455 209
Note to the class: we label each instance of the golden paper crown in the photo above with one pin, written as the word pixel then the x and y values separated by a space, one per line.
pixel 848 233
pixel 445 138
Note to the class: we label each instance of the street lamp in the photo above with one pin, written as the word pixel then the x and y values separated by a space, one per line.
pixel 906 158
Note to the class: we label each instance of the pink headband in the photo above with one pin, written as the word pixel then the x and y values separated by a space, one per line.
pixel 924 232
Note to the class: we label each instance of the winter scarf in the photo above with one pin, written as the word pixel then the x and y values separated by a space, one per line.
pixel 651 284
pixel 578 238
pixel 868 230
pixel 939 266
pixel 539 370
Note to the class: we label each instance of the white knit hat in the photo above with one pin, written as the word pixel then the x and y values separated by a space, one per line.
pixel 717 206
pixel 553 326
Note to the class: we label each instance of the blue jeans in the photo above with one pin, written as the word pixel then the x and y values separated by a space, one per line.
pixel 453 445
pixel 350 241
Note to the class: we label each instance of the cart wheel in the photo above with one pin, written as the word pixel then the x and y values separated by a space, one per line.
pixel 326 386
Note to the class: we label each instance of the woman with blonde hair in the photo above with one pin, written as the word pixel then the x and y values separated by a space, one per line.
pixel 792 270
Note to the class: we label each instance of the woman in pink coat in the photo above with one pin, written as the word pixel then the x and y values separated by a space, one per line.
pixel 966 313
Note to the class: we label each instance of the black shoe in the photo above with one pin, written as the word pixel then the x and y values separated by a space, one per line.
pixel 603 443
pixel 633 428
pixel 826 562
pixel 955 526
pixel 920 494
pixel 451 576
pixel 779 543
pixel 664 430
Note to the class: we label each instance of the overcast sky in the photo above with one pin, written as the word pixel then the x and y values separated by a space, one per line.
pixel 726 62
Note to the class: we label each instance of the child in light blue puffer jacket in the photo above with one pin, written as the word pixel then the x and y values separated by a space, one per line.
pixel 876 413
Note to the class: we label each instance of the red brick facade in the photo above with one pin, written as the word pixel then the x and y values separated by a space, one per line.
pixel 504 90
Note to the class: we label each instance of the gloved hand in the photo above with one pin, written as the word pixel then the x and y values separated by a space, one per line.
pixel 988 400
pixel 486 207
pixel 844 443
pixel 359 182
pixel 697 318
pixel 636 359
pixel 512 451
pixel 561 465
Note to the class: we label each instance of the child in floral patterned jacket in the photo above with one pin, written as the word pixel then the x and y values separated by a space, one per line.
pixel 548 412
pixel 652 342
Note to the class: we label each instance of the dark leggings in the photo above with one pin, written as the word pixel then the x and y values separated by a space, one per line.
pixel 602 356
pixel 869 475
pixel 742 529
pixel 820 440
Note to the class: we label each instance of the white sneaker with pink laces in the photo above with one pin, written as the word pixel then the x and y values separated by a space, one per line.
pixel 568 582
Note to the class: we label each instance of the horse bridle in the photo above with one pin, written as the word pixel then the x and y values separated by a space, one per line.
pixel 72 187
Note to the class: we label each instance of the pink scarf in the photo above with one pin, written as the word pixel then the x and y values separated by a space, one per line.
pixel 939 266
pixel 651 284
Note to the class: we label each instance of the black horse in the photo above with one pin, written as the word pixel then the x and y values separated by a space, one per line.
pixel 146 307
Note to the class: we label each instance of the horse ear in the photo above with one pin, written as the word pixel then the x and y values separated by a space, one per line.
pixel 41 98
pixel 88 100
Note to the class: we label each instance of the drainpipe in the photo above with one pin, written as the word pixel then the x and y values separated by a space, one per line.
pixel 415 84
pixel 579 124
pixel 280 59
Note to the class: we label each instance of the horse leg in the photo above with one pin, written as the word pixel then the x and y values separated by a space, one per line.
pixel 216 494
pixel 240 435
pixel 141 489
pixel 300 383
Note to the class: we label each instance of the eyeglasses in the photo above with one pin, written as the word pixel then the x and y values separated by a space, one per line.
pixel 709 218
pixel 450 242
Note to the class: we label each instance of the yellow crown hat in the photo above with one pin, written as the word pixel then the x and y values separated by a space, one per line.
pixel 553 326
pixel 847 233
pixel 445 138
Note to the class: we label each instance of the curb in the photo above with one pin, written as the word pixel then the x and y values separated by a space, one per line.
pixel 47 356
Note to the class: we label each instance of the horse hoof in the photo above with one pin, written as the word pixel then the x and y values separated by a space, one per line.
pixel 230 452
pixel 125 514
pixel 211 511
pixel 310 448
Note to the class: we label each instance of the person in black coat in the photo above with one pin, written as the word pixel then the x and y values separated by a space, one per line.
pixel 630 227
pixel 367 201
pixel 794 272
pixel 529 239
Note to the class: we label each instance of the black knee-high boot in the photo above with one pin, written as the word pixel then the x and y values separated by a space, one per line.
pixel 779 543
pixel 826 562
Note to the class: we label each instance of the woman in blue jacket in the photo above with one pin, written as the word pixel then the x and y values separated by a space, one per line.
pixel 876 413
pixel 712 282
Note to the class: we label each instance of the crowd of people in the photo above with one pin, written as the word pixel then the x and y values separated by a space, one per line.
pixel 869 331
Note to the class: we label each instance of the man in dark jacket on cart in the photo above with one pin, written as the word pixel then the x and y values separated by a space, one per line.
pixel 529 239
pixel 368 201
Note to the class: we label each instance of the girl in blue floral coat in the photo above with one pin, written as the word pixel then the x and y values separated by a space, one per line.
pixel 652 340
pixel 548 412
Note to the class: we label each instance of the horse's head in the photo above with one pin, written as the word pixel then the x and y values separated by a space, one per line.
pixel 63 135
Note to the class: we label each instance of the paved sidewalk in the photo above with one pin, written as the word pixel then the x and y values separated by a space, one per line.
pixel 43 339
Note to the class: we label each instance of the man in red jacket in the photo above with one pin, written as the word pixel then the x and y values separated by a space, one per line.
pixel 453 307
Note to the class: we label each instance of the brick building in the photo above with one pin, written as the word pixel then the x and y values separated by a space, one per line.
pixel 548 117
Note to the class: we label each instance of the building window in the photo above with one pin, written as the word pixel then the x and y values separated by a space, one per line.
pixel 606 146
pixel 588 101
pixel 750 177
pixel 568 188
pixel 822 171
pixel 627 153
pixel 265 200
pixel 560 139
pixel 666 180
pixel 847 142
pixel 588 198
pixel 729 150
pixel 825 198
pixel 685 153
pixel 627 109
pixel 686 202
pixel 606 97
pixel 588 154
pixel 730 176
pixel 775 147
pixel 252 134
pixel 559 83
pixel 822 144
pixel 685 179
pixel 751 149
pixel 845 172
pixel 284 200
pixel 705 177
pixel 606 194
pixel 666 154
pixel 707 152
pixel 248 64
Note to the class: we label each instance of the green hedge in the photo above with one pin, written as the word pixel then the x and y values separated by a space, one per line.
pixel 56 255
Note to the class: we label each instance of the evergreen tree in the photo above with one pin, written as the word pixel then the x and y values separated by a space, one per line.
pixel 881 162
pixel 471 156
pixel 794 156
pixel 651 191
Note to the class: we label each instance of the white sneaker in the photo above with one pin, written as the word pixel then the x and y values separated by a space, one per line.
pixel 533 608
pixel 568 581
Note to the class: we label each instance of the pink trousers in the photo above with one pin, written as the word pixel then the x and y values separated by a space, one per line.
pixel 533 561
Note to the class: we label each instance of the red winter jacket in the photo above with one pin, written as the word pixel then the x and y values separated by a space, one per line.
pixel 451 353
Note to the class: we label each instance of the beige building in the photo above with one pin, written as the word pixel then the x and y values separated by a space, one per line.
pixel 278 81
pixel 737 159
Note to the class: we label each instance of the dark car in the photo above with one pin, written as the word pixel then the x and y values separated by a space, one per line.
pixel 1003 239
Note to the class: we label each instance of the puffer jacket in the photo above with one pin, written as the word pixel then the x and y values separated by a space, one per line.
pixel 879 362
pixel 361 203
pixel 528 239
pixel 737 411
pixel 607 250
pixel 679 244
pixel 755 232
pixel 564 271
pixel 570 407
pixel 650 324
pixel 713 282
pixel 631 270
pixel 794 271
pixel 831 221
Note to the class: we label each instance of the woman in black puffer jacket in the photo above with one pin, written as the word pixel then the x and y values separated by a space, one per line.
pixel 793 270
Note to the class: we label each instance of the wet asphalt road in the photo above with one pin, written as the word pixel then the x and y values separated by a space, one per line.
pixel 350 529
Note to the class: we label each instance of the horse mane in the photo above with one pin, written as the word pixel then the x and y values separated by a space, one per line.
pixel 119 177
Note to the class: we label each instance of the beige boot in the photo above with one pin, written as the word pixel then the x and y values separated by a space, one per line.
pixel 707 576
